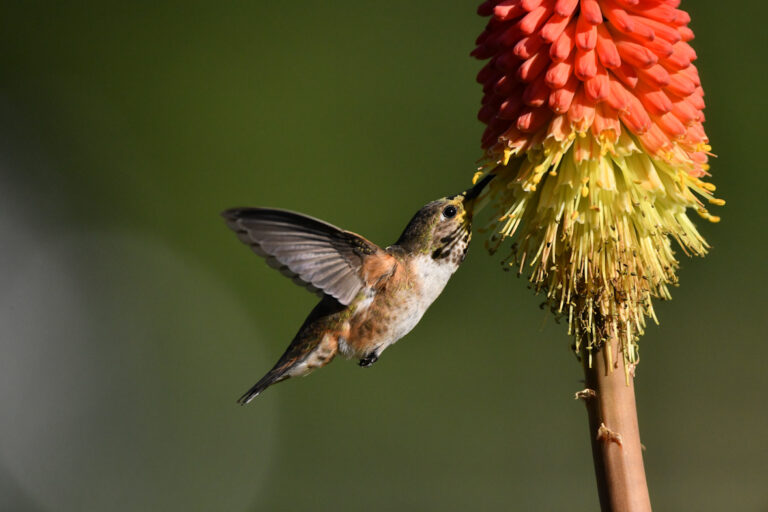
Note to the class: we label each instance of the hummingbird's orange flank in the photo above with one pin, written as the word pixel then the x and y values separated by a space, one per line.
pixel 370 297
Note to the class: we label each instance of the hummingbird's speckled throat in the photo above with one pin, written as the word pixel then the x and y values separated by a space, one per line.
pixel 370 297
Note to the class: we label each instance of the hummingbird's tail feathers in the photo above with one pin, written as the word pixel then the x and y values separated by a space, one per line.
pixel 289 365
pixel 300 359
pixel 273 377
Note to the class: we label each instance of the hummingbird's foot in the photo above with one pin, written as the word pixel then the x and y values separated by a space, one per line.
pixel 369 359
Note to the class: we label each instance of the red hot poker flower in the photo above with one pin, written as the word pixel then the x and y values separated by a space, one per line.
pixel 594 115
pixel 603 65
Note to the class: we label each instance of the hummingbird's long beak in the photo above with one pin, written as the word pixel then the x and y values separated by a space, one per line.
pixel 471 195
pixel 478 187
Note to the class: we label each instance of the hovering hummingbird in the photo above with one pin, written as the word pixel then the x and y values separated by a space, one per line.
pixel 370 297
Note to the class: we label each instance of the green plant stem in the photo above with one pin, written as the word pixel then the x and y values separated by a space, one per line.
pixel 615 434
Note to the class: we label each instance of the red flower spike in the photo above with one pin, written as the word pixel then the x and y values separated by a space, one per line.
pixel 622 65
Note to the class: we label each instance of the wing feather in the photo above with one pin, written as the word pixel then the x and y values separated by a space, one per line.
pixel 314 254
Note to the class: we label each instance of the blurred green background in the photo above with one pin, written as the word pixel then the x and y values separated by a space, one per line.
pixel 131 318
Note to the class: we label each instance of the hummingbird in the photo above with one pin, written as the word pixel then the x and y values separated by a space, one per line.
pixel 370 297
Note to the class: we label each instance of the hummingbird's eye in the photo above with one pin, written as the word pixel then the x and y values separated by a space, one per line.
pixel 449 211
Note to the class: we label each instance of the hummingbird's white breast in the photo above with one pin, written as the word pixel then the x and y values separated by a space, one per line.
pixel 429 277
pixel 396 315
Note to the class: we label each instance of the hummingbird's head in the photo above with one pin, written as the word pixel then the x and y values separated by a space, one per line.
pixel 442 228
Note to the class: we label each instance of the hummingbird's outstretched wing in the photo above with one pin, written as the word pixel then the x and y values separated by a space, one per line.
pixel 315 254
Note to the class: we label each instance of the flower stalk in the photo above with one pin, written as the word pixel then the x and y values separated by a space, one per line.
pixel 613 427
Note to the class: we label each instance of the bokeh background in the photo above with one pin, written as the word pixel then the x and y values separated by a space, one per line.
pixel 131 319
